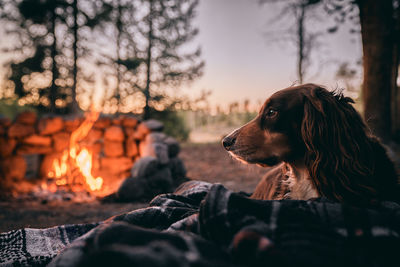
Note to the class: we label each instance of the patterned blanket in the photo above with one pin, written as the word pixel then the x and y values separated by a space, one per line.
pixel 207 225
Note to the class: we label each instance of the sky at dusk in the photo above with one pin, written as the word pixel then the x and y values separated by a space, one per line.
pixel 241 63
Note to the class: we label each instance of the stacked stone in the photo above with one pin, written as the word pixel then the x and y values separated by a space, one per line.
pixel 17 139
pixel 159 170
pixel 116 143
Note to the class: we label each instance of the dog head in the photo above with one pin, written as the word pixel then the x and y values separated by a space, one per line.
pixel 275 135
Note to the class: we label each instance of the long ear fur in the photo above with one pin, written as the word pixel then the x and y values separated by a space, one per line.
pixel 340 154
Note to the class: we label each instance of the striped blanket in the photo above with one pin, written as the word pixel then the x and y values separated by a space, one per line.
pixel 202 224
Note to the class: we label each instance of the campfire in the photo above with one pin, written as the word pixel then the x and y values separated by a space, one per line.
pixel 80 159
pixel 74 168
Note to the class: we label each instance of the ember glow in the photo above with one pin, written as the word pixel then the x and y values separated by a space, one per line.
pixel 77 157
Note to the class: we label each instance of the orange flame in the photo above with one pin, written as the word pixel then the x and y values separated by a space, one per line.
pixel 84 162
pixel 81 160
pixel 59 167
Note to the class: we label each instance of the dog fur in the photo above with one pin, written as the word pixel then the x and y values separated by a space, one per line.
pixel 319 147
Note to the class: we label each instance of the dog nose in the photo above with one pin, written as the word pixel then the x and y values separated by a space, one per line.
pixel 228 142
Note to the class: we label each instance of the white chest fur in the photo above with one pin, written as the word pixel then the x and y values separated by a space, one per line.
pixel 299 183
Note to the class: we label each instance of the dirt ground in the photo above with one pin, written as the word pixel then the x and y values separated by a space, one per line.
pixel 211 163
pixel 207 162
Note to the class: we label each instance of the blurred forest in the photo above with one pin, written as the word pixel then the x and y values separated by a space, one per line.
pixel 60 51
pixel 59 45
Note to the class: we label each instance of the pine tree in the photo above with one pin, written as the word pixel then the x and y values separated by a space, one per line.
pixel 49 31
pixel 166 27
pixel 35 24
pixel 123 61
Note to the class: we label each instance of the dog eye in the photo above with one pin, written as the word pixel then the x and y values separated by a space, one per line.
pixel 271 113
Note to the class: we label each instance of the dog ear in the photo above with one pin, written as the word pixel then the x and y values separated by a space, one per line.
pixel 338 154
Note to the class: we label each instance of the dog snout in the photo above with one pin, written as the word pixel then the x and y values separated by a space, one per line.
pixel 228 142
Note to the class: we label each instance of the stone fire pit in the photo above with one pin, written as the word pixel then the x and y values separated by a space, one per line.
pixel 122 147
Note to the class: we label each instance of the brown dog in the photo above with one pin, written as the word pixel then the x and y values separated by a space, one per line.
pixel 320 147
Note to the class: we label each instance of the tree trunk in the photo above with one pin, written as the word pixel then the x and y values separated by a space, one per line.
pixel 395 104
pixel 119 31
pixel 74 103
pixel 146 111
pixel 377 25
pixel 54 70
pixel 300 36
pixel 395 90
